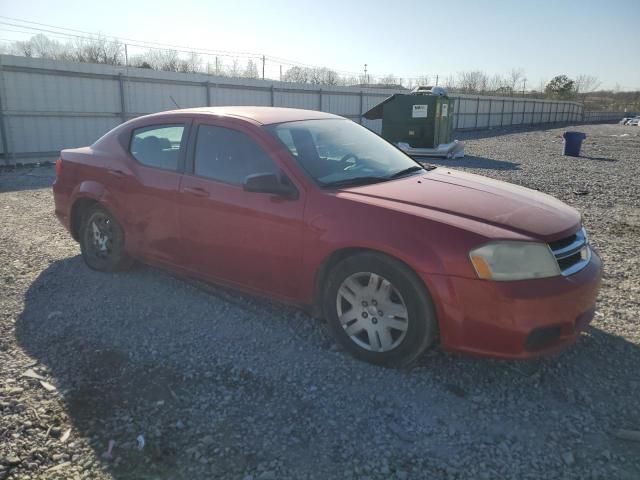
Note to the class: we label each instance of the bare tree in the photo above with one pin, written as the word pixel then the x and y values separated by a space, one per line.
pixel 98 50
pixel 495 83
pixel 251 71
pixel 330 77
pixel 167 60
pixel 191 64
pixel 388 80
pixel 296 75
pixel 474 81
pixel 315 76
pixel 38 46
pixel 586 84
pixel 22 48
pixel 418 81
pixel 514 79
pixel 450 82
pixel 347 81
pixel 542 86
pixel 234 70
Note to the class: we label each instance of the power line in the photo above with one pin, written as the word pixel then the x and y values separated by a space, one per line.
pixel 93 34
pixel 157 45
pixel 83 37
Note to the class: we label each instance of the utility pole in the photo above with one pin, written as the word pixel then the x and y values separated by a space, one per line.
pixel 280 72
pixel 437 77
pixel 524 82
pixel 366 77
pixel 126 56
pixel 217 66
pixel 263 60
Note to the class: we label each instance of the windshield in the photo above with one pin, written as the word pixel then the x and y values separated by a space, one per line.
pixel 341 152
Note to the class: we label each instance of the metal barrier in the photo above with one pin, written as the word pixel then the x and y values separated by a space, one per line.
pixel 48 105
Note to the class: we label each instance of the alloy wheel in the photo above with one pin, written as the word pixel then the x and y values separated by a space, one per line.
pixel 372 312
pixel 101 236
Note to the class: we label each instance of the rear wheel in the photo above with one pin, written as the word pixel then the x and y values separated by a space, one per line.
pixel 378 310
pixel 102 241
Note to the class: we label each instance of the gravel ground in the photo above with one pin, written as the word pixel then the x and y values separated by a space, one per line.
pixel 221 385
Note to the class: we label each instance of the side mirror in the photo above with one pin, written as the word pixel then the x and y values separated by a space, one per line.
pixel 270 183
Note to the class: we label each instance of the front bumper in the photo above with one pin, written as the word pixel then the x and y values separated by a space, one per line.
pixel 514 320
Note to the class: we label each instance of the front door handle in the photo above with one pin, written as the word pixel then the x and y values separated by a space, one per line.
pixel 196 191
pixel 116 173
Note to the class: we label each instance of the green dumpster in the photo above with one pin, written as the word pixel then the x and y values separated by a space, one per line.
pixel 420 123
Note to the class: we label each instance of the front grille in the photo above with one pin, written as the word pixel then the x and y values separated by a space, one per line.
pixel 565 242
pixel 572 253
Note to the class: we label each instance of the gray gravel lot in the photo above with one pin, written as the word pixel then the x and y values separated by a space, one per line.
pixel 222 385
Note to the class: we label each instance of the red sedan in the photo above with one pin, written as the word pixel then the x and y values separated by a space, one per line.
pixel 312 209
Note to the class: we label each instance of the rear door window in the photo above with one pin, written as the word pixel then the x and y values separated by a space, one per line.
pixel 158 145
pixel 229 155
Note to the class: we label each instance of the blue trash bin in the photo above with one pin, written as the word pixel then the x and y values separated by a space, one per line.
pixel 572 143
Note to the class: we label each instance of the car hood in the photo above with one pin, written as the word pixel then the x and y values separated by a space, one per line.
pixel 479 198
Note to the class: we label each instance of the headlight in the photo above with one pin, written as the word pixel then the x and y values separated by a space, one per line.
pixel 514 261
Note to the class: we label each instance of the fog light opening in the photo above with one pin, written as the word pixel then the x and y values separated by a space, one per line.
pixel 542 337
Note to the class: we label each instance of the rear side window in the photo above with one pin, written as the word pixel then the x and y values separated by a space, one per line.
pixel 229 155
pixel 157 146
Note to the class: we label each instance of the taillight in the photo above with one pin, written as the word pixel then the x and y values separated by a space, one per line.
pixel 58 167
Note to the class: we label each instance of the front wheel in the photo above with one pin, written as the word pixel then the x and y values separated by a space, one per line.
pixel 102 241
pixel 378 310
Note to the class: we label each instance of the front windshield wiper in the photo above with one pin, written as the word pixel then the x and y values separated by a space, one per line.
pixel 406 171
pixel 352 182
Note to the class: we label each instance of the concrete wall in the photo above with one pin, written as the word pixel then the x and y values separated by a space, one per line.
pixel 49 105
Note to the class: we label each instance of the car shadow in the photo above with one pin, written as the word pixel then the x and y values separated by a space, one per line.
pixel 145 353
pixel 27 178
pixel 472 161
pixel 599 159
pixel 507 130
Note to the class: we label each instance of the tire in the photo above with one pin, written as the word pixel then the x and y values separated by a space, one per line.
pixel 366 284
pixel 102 241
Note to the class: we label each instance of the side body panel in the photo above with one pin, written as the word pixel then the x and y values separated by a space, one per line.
pixel 252 240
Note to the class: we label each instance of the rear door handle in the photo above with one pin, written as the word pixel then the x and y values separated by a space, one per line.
pixel 196 191
pixel 116 173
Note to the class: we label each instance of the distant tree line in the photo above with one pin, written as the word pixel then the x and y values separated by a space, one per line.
pixel 102 50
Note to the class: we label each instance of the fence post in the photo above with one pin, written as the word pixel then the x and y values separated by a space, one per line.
pixel 458 113
pixel 320 100
pixel 361 106
pixel 502 114
pixel 123 109
pixel 513 107
pixel 208 93
pixel 273 96
pixel 533 114
pixel 477 112
pixel 3 128
pixel 489 116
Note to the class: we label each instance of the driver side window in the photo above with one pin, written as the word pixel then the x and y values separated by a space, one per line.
pixel 229 155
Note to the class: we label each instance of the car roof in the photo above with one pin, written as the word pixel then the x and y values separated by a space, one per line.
pixel 260 115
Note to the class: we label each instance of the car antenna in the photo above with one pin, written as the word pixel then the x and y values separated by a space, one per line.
pixel 175 103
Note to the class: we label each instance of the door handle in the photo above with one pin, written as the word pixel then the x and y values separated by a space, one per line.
pixel 196 191
pixel 116 173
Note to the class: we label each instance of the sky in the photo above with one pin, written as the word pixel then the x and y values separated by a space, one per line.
pixel 401 37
